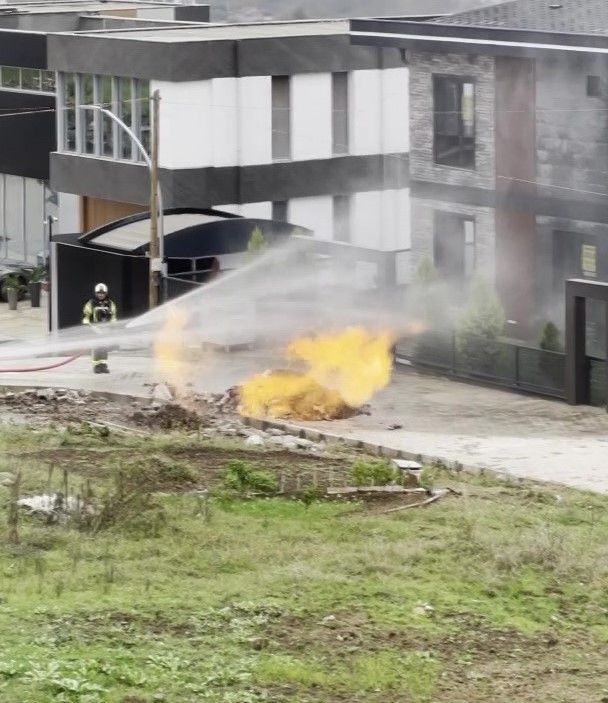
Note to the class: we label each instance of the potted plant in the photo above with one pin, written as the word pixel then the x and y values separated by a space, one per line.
pixel 36 278
pixel 13 285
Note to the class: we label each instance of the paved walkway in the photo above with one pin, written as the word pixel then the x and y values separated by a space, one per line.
pixel 24 323
pixel 486 428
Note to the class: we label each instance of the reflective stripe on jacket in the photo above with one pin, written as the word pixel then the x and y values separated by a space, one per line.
pixel 92 308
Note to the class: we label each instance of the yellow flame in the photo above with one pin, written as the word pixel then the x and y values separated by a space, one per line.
pixel 169 349
pixel 343 371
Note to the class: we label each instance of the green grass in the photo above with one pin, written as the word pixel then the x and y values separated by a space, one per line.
pixel 497 595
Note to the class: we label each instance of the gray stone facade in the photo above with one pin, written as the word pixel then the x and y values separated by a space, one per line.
pixel 571 128
pixel 422 167
pixel 423 229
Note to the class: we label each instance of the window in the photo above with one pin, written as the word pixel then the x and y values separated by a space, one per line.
pixel 342 218
pixel 91 132
pixel 594 87
pixel 11 77
pixel 68 103
pixel 88 117
pixel 30 79
pixel 281 133
pixel 454 121
pixel 107 125
pixel 125 112
pixel 142 104
pixel 454 245
pixel 279 210
pixel 340 113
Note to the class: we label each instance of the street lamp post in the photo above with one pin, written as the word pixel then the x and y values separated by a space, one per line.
pixel 157 247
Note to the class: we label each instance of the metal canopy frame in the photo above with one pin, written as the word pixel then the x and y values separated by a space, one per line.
pixel 578 291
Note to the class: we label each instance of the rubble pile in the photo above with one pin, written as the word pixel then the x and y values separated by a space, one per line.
pixel 40 397
pixel 168 416
pixel 164 410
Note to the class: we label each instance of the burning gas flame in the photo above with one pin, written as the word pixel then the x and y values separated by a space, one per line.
pixel 342 372
pixel 169 349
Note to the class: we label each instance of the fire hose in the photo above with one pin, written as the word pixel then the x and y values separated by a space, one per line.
pixel 56 365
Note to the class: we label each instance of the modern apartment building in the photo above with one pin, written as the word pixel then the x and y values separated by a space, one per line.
pixel 283 120
pixel 509 148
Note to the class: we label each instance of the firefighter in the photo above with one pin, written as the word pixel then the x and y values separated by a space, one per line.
pixel 99 310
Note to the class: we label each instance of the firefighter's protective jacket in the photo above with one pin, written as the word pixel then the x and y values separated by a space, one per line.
pixel 96 311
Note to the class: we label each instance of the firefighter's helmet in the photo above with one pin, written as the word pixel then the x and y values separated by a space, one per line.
pixel 101 288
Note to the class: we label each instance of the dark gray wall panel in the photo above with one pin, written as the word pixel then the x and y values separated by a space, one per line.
pixel 287 55
pixel 207 187
pixel 128 183
pixel 26 139
pixel 192 13
pixel 200 60
pixel 141 59
pixel 22 49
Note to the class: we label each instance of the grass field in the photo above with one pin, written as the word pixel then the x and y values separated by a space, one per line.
pixel 499 595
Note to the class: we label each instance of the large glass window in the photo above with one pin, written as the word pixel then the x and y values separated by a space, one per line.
pixel 454 121
pixel 11 77
pixel 281 132
pixel 125 112
pixel 92 132
pixel 107 126
pixel 30 79
pixel 340 113
pixel 88 117
pixel 69 112
pixel 142 105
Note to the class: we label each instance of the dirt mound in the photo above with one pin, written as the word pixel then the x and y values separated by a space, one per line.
pixel 169 416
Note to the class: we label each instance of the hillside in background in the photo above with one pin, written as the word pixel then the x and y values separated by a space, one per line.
pixel 246 10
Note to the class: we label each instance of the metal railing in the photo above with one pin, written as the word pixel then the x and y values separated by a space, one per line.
pixel 488 360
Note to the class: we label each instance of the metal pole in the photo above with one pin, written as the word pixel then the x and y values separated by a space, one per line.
pixel 155 261
pixel 148 162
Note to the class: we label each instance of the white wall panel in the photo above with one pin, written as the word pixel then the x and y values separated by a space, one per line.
pixel 366 219
pixel 261 210
pixel 255 121
pixel 396 219
pixel 156 13
pixel 315 213
pixel 395 110
pixel 381 219
pixel 311 116
pixel 365 111
pixel 186 123
pixel 69 214
pixel 225 122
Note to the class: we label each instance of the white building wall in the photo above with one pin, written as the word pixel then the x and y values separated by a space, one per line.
pixel 255 120
pixel 311 116
pixel 228 121
pixel 379 219
pixel 364 109
pixel 225 123
pixel 186 123
pixel 316 213
pixel 156 13
pixel 69 214
pixel 378 104
pixel 395 110
pixel 260 210
pixel 366 219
